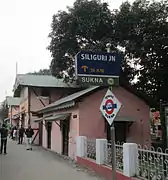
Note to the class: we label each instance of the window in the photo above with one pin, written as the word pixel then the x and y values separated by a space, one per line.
pixel 45 92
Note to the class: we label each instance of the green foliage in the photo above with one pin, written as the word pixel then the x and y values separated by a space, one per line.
pixel 87 25
pixel 141 28
pixel 41 72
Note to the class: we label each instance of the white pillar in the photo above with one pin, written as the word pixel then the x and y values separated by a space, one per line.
pixel 81 143
pixel 130 159
pixel 101 150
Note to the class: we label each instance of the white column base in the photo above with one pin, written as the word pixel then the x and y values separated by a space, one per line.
pixel 81 142
pixel 101 150
pixel 130 159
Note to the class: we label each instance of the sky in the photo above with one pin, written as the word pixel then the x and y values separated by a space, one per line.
pixel 24 29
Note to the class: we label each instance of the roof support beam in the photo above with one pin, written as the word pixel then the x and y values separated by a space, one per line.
pixel 34 91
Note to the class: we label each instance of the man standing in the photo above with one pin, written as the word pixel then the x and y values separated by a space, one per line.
pixel 29 133
pixel 21 134
pixel 4 136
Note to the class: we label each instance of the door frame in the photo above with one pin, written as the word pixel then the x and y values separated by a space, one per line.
pixel 65 129
pixel 40 133
pixel 48 134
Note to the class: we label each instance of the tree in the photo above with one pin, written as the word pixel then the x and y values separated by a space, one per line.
pixel 143 29
pixel 88 25
pixel 41 72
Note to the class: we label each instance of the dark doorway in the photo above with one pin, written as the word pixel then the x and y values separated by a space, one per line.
pixel 23 119
pixel 17 124
pixel 49 126
pixel 64 124
pixel 120 131
pixel 45 92
pixel 41 133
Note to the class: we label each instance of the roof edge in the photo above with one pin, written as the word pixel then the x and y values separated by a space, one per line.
pixel 66 105
pixel 50 107
pixel 18 83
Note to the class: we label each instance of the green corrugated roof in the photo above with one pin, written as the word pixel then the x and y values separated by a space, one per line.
pixel 13 101
pixel 40 81
pixel 60 116
pixel 38 120
pixel 68 99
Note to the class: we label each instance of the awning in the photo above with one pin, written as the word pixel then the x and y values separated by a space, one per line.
pixel 58 117
pixel 124 119
pixel 7 119
pixel 38 120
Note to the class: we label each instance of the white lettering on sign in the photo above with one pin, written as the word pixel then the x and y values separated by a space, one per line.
pixel 92 80
pixel 109 96
pixel 96 57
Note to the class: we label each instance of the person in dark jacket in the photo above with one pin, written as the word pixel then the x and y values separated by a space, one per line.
pixel 4 136
pixel 21 134
pixel 12 129
pixel 29 134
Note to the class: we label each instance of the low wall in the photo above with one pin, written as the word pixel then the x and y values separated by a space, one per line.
pixel 100 169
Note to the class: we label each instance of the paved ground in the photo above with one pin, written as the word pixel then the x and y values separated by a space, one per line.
pixel 38 164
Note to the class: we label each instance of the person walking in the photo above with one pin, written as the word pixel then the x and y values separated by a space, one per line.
pixel 29 134
pixel 17 133
pixel 4 137
pixel 12 129
pixel 14 133
pixel 21 134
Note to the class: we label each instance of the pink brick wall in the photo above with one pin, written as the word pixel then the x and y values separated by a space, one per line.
pixel 35 104
pixel 56 138
pixel 58 93
pixel 56 134
pixel 55 94
pixel 74 132
pixel 15 110
pixel 91 123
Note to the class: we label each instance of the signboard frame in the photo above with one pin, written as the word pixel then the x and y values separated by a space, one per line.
pixel 106 79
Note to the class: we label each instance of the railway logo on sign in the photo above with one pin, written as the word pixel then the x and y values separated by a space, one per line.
pixel 110 106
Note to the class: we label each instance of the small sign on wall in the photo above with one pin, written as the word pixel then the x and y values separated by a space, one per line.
pixel 74 116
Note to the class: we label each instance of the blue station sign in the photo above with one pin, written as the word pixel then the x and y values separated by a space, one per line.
pixel 99 64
